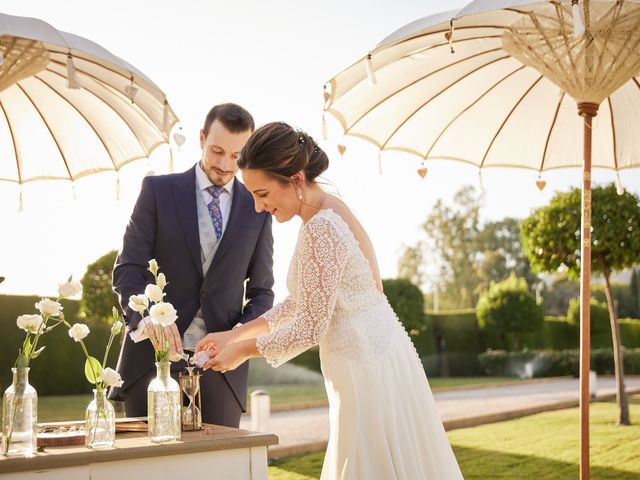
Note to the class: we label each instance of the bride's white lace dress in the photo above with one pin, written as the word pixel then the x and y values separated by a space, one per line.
pixel 383 419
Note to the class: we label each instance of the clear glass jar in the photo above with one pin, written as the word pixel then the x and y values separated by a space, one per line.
pixel 164 406
pixel 19 416
pixel 100 421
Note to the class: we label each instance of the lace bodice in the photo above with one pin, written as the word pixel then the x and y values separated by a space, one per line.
pixel 333 300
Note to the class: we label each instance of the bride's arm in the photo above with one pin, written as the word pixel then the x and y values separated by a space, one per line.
pixel 268 321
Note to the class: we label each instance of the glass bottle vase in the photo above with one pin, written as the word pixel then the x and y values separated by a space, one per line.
pixel 164 406
pixel 19 416
pixel 100 421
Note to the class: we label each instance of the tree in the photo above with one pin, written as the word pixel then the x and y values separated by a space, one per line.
pixel 502 253
pixel 558 295
pixel 508 308
pixel 634 286
pixel 98 297
pixel 464 256
pixel 551 240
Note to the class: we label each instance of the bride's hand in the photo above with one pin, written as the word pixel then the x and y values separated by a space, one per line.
pixel 216 341
pixel 227 358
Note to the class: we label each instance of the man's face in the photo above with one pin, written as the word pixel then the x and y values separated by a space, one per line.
pixel 220 150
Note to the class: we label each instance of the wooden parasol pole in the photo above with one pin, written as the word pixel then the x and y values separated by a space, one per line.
pixel 587 111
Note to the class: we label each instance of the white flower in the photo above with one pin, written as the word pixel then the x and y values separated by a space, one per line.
pixel 78 331
pixel 30 323
pixel 49 308
pixel 153 266
pixel 161 281
pixel 153 293
pixel 69 289
pixel 163 314
pixel 116 327
pixel 138 303
pixel 111 377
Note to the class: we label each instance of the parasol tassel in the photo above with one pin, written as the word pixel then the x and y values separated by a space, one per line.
pixel 20 206
pixel 165 117
pixel 619 187
pixel 325 133
pixel 449 36
pixel 370 73
pixel 379 162
pixel 578 21
pixel 131 90
pixel 480 181
pixel 170 161
pixel 179 138
pixel 72 76
pixel 326 95
pixel 117 187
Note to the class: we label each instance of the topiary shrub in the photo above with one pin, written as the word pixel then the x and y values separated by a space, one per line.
pixel 508 308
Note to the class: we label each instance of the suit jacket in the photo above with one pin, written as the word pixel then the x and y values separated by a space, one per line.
pixel 164 226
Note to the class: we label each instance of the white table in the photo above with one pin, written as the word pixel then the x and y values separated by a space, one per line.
pixel 212 453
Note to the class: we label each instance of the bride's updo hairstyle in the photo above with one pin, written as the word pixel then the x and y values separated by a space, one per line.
pixel 281 151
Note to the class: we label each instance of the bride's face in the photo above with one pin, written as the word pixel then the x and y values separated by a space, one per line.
pixel 270 195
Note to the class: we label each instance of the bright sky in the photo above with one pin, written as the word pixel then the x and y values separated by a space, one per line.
pixel 272 57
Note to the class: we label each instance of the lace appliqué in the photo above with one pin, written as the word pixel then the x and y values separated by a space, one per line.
pixel 302 320
pixel 333 299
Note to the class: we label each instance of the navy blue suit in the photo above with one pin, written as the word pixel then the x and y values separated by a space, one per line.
pixel 164 226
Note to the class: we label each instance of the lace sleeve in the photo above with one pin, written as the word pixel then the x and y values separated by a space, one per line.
pixel 281 313
pixel 321 261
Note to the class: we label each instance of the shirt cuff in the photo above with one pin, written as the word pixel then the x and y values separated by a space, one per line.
pixel 140 332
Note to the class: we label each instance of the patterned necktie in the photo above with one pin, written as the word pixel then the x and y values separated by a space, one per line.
pixel 214 209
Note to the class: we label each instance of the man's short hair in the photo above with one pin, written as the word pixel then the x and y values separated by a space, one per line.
pixel 234 118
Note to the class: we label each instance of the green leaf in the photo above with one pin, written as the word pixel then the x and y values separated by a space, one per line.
pixel 92 369
pixel 27 346
pixel 37 352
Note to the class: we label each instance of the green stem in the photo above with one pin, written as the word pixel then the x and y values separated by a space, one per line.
pixel 106 352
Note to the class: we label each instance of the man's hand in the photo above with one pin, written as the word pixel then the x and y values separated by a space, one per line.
pixel 170 333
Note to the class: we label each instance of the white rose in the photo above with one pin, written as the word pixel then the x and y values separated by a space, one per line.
pixel 78 331
pixel 49 307
pixel 69 289
pixel 163 314
pixel 30 323
pixel 111 377
pixel 138 303
pixel 161 281
pixel 116 327
pixel 153 266
pixel 153 293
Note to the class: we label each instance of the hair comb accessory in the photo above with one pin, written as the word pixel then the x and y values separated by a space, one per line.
pixel 301 139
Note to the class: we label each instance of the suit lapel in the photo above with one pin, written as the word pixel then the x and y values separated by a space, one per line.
pixel 184 193
pixel 241 202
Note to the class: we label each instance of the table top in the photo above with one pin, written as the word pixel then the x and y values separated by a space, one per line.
pixel 135 445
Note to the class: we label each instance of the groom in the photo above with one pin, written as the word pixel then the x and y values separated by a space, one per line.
pixel 216 253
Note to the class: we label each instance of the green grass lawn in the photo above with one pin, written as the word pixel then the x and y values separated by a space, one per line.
pixel 539 447
pixel 55 408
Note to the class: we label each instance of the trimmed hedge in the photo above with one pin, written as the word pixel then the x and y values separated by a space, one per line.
pixel 59 369
pixel 549 363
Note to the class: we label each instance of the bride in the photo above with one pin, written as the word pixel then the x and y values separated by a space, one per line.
pixel 383 419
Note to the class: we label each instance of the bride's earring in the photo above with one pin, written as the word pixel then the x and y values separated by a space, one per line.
pixel 299 194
